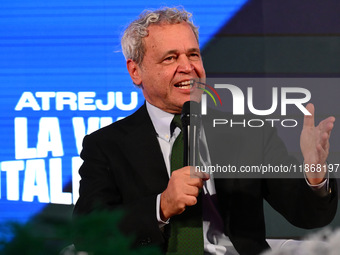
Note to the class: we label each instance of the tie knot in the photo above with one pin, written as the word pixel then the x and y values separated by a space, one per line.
pixel 176 122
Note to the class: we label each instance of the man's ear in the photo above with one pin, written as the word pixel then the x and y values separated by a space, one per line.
pixel 134 71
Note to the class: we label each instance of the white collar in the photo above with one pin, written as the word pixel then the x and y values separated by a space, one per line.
pixel 161 120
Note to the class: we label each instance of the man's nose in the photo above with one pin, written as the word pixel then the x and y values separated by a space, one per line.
pixel 184 64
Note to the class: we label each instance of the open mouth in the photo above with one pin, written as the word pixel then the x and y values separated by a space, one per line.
pixel 185 84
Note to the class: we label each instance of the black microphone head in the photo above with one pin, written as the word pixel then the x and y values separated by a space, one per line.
pixel 191 113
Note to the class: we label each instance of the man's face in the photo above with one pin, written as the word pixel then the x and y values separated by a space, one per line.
pixel 171 59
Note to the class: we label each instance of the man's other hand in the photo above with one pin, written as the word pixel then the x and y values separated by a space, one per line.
pixel 314 143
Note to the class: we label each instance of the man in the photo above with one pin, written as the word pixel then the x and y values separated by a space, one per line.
pixel 127 164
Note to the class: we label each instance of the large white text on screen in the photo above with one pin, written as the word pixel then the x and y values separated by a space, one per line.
pixel 37 171
pixel 81 101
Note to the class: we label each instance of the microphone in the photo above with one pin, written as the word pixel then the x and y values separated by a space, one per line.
pixel 191 124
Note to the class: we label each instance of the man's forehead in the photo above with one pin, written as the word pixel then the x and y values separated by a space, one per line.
pixel 170 33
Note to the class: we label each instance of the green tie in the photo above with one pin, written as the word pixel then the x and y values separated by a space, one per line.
pixel 186 229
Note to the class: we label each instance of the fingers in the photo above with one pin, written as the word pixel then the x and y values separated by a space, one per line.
pixel 327 125
pixel 190 177
pixel 325 128
pixel 322 131
pixel 324 138
pixel 308 120
pixel 194 173
pixel 190 195
pixel 183 188
pixel 191 172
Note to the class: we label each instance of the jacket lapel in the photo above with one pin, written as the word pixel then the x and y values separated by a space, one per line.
pixel 146 155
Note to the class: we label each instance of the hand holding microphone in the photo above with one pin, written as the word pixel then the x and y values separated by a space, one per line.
pixel 184 185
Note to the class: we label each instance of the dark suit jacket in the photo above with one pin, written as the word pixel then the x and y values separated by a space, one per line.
pixel 124 168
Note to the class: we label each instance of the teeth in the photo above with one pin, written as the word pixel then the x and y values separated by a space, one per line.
pixel 185 87
pixel 185 84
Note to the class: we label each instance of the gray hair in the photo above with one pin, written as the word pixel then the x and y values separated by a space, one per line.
pixel 132 39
